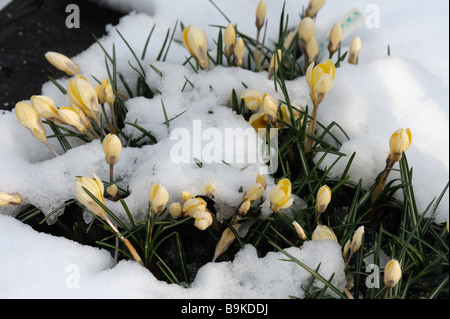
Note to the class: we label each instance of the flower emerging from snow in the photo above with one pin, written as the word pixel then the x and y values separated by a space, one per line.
pixel 96 188
pixel 280 195
pixel 62 62
pixel 195 40
pixel 158 197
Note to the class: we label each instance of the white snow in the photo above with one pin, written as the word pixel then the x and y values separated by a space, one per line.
pixel 370 101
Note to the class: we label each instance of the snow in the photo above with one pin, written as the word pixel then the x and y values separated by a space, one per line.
pixel 370 101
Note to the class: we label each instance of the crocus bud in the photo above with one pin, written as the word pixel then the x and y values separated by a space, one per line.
pixel 82 94
pixel 186 196
pixel 108 92
pixel 175 210
pixel 252 99
pixel 96 188
pixel 273 66
pixel 261 179
pixel 10 199
pixel 335 37
pixel 253 193
pixel 45 107
pixel 28 117
pixel 323 199
pixel 70 117
pixel 260 14
pixel 270 107
pixel 158 197
pixel 280 195
pixel 244 208
pixel 195 40
pixel 229 37
pixel 225 241
pixel 203 219
pixel 312 50
pixel 306 29
pixel 100 94
pixel 62 62
pixel 288 40
pixel 346 249
pixel 209 189
pixel 313 7
pixel 357 239
pixel 392 273
pixel 300 232
pixel 322 232
pixel 239 52
pixel 353 52
pixel 193 205
pixel 112 190
pixel 399 143
pixel 112 146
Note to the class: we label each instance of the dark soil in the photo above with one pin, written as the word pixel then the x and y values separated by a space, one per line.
pixel 30 28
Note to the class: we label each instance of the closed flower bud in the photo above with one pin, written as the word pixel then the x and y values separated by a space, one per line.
pixel 353 52
pixel 300 232
pixel 28 117
pixel 280 195
pixel 225 241
pixel 244 208
pixel 100 94
pixel 322 232
pixel 335 38
pixel 208 188
pixel 392 273
pixel 195 40
pixel 252 99
pixel 82 94
pixel 270 107
pixel 313 7
pixel 312 50
pixel 96 188
pixel 229 37
pixel 108 92
pixel 70 117
pixel 158 197
pixel 203 219
pixel 260 14
pixel 306 29
pixel 10 199
pixel 253 193
pixel 273 66
pixel 399 143
pixel 346 249
pixel 186 196
pixel 175 210
pixel 112 146
pixel 357 239
pixel 112 190
pixel 62 62
pixel 288 40
pixel 239 52
pixel 193 205
pixel 323 199
pixel 45 107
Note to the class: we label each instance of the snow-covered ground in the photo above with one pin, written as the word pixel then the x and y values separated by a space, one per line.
pixel 370 101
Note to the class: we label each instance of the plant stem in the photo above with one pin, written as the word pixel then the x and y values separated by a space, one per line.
pixel 311 129
pixel 50 148
pixel 125 241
